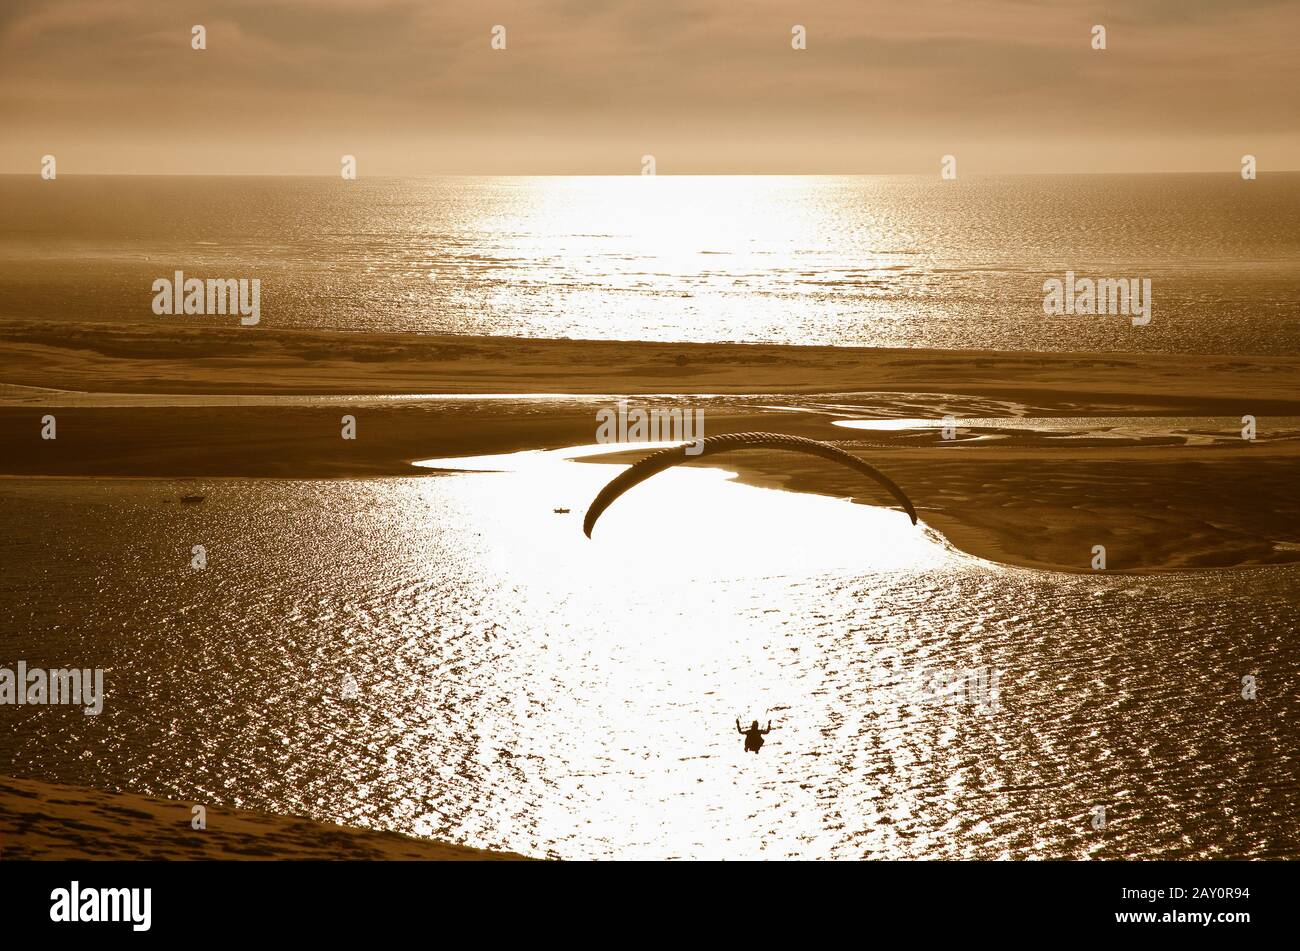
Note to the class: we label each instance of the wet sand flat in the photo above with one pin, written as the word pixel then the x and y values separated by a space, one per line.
pixel 1022 498
pixel 1154 510
pixel 198 359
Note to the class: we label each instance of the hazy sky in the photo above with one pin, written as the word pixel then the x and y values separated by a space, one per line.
pixel 589 86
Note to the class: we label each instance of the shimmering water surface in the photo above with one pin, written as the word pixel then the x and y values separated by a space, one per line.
pixel 870 260
pixel 523 687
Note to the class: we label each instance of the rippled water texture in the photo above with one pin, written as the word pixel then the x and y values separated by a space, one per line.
pixel 522 687
pixel 885 261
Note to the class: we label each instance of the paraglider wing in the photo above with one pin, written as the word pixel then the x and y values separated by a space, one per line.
pixel 667 458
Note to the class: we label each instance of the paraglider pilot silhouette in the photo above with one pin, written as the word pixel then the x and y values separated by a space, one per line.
pixel 753 736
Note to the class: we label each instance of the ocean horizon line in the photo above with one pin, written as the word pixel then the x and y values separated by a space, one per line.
pixel 1230 172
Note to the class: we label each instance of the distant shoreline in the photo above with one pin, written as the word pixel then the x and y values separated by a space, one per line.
pixel 1020 497
pixel 182 358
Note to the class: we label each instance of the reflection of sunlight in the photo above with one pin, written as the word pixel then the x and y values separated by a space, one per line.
pixel 1194 430
pixel 532 459
pixel 883 425
pixel 526 688
pixel 687 522
pixel 677 218
pixel 650 242
pixel 641 647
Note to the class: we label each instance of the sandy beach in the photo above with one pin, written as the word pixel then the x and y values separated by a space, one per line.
pixel 131 403
pixel 203 358
pixel 47 821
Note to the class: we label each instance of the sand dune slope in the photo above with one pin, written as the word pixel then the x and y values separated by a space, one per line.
pixel 46 821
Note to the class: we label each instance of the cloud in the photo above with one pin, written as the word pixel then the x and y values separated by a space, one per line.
pixel 299 81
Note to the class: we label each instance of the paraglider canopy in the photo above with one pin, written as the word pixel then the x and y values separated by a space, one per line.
pixel 667 458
